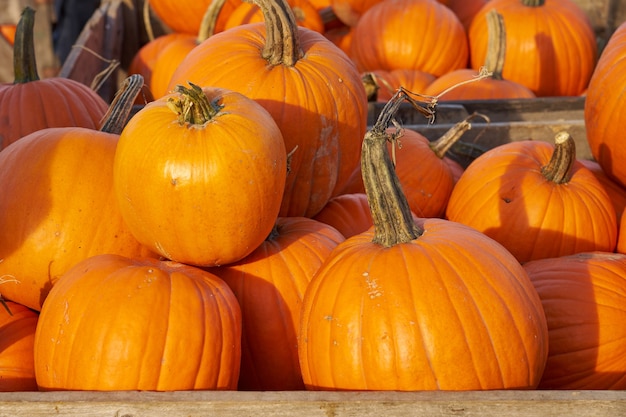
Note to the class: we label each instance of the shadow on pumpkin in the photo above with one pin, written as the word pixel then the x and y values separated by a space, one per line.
pixel 269 353
pixel 17 334
pixel 586 340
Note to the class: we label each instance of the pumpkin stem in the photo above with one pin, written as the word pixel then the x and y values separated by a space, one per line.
pixel 559 169
pixel 117 115
pixel 282 44
pixel 391 214
pixel 533 3
pixel 24 62
pixel 496 46
pixel 452 136
pixel 192 105
pixel 209 20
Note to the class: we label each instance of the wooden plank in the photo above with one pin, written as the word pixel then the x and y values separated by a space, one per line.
pixel 309 403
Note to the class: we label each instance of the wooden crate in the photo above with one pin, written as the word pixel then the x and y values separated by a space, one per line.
pixel 314 404
pixel 509 120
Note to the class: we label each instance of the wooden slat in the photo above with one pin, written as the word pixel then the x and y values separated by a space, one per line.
pixel 304 403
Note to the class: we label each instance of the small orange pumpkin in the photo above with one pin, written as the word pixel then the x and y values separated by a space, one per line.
pixel 114 323
pixel 551 45
pixel 381 39
pixel 199 175
pixel 30 104
pixel 536 199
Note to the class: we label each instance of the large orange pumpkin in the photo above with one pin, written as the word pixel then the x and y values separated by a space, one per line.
pixel 269 284
pixel 57 204
pixel 30 104
pixel 426 305
pixel 115 323
pixel 551 45
pixel 536 199
pixel 493 87
pixel 409 34
pixel 17 341
pixel 583 298
pixel 308 85
pixel 199 175
pixel 605 107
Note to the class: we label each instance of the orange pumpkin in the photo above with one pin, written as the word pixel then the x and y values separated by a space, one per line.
pixel 30 104
pixel 536 199
pixel 551 45
pixel 17 340
pixel 308 85
pixel 348 213
pixel 199 175
pixel 493 87
pixel 583 299
pixel 269 284
pixel 115 323
pixel 57 204
pixel 381 40
pixel 604 108
pixel 392 308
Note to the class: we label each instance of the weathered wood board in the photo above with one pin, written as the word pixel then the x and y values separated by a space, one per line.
pixel 313 404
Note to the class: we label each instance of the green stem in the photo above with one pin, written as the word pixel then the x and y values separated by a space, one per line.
pixel 24 62
pixel 533 3
pixel 117 115
pixel 282 44
pixel 559 169
pixel 391 214
pixel 209 20
pixel 192 105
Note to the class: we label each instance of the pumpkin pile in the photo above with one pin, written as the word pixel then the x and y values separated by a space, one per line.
pixel 245 229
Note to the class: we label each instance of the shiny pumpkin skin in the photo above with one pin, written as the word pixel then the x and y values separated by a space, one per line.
pixel 504 194
pixel 396 318
pixel 17 340
pixel 604 107
pixel 116 323
pixel 437 44
pixel 269 284
pixel 206 194
pixel 57 208
pixel 583 298
pixel 319 103
pixel 551 48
